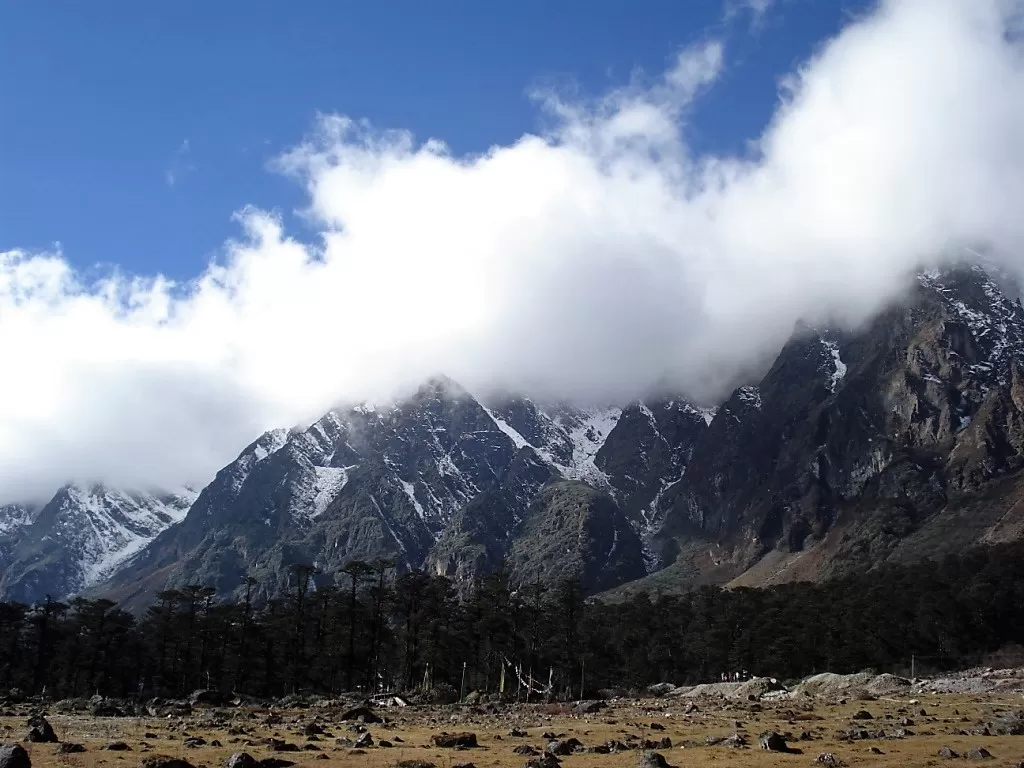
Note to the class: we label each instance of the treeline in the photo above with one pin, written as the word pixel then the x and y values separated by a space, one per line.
pixel 381 630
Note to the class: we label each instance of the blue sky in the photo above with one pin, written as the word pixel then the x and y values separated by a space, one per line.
pixel 617 243
pixel 132 131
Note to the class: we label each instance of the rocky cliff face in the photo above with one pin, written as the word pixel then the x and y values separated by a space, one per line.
pixel 857 448
pixel 438 481
pixel 900 440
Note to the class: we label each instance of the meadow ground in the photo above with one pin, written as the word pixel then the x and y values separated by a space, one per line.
pixel 812 728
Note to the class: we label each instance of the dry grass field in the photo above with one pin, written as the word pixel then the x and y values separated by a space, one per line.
pixel 811 727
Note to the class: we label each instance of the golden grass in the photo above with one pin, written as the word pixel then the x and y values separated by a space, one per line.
pixel 946 714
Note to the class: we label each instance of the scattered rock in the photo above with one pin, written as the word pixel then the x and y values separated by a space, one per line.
pixel 863 714
pixel 40 731
pixel 463 740
pixel 562 747
pixel 240 760
pixel 517 732
pixel 660 689
pixel 947 753
pixel 544 761
pixel 652 759
pixel 415 764
pixel 772 741
pixel 827 758
pixel 118 746
pixel 164 761
pixel 978 753
pixel 194 743
pixel 362 715
pixel 365 740
pixel 70 748
pixel 1009 725
pixel 274 762
pixel 525 749
pixel 14 756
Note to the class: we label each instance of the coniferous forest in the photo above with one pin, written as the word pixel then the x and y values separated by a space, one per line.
pixel 380 630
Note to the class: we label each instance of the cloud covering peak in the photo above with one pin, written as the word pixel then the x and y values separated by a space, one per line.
pixel 599 259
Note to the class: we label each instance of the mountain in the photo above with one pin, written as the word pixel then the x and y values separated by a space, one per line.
pixel 897 441
pixel 901 441
pixel 79 538
pixel 439 480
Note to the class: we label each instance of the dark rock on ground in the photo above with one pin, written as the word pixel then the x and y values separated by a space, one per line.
pixel 362 715
pixel 544 761
pixel 118 746
pixel 947 753
pixel 40 731
pixel 563 747
pixel 14 756
pixel 651 759
pixel 164 761
pixel 240 760
pixel 1009 725
pixel 772 741
pixel 978 753
pixel 463 740
pixel 365 740
pixel 70 748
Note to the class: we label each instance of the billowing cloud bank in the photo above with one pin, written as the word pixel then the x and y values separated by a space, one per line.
pixel 598 260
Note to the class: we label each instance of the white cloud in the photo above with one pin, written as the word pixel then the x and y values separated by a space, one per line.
pixel 597 260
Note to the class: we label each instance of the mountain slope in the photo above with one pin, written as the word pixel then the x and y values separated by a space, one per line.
pixel 80 537
pixel 437 480
pixel 858 448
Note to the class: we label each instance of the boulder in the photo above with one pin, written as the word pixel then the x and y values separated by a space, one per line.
pixel 652 759
pixel 772 741
pixel 464 740
pixel 40 731
pixel 562 747
pixel 14 756
pixel 362 715
pixel 240 760
pixel 164 761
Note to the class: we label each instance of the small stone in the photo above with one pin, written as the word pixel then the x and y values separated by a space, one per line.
pixel 947 753
pixel 118 746
pixel 69 748
pixel 978 753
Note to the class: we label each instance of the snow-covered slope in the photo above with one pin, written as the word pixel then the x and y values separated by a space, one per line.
pixel 82 536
